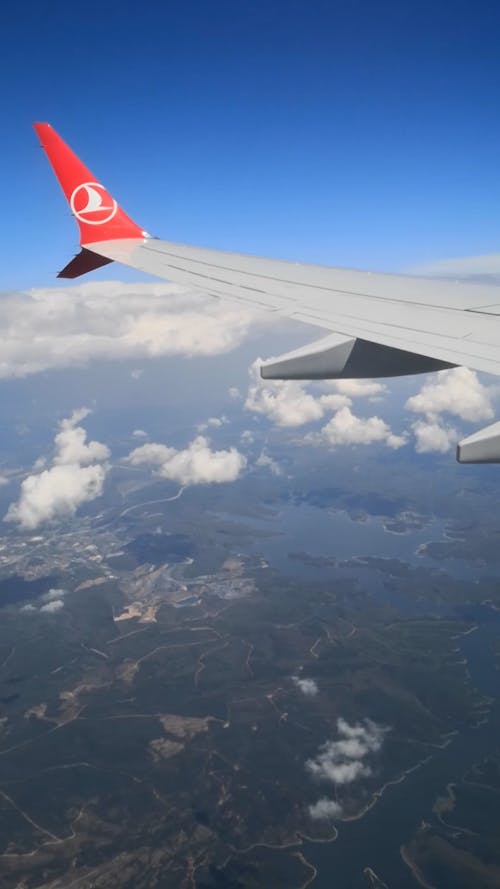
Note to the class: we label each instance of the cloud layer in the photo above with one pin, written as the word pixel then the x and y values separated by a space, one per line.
pixel 63 327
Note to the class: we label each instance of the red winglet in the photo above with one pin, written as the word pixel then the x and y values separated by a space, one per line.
pixel 97 213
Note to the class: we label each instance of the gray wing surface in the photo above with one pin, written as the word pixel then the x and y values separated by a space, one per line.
pixel 448 322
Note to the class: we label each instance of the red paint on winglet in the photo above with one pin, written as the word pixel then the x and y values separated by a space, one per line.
pixel 98 215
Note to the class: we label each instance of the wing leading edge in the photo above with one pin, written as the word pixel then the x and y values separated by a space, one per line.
pixel 379 324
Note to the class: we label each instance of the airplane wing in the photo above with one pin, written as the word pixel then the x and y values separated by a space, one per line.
pixel 379 324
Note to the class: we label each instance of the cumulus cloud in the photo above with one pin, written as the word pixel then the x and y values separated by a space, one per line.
pixel 346 428
pixel 53 594
pixel 63 327
pixel 458 392
pixel 430 435
pixel 197 464
pixel 71 443
pixel 289 403
pixel 308 687
pixel 344 760
pixel 267 462
pixel 292 404
pixel 325 809
pixel 247 437
pixel 139 433
pixel 76 476
pixel 213 422
pixel 53 601
pixel 52 607
pixel 285 404
pixel 359 388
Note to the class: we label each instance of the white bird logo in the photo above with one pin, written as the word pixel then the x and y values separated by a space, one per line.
pixel 92 193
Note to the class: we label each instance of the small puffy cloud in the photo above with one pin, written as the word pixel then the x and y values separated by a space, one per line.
pixel 53 594
pixel 52 607
pixel 346 428
pixel 325 809
pixel 285 404
pixel 53 601
pixel 344 760
pixel 247 437
pixel 76 476
pixel 150 454
pixel 212 422
pixel 139 433
pixel 431 436
pixel 458 392
pixel 327 768
pixel 3 481
pixel 71 443
pixel 308 687
pixel 197 464
pixel 267 462
pixel 234 393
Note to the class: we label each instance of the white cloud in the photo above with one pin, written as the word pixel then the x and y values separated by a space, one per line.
pixel 325 809
pixel 55 492
pixel 359 388
pixel 308 687
pixel 53 594
pixel 247 437
pixel 71 444
pixel 343 761
pixel 267 462
pixel 432 436
pixel 212 422
pixel 290 404
pixel 53 607
pixel 76 476
pixel 53 601
pixel 285 404
pixel 346 428
pixel 196 464
pixel 150 454
pixel 234 393
pixel 73 325
pixel 458 392
pixel 139 433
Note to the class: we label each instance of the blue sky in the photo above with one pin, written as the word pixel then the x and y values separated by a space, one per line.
pixel 347 133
